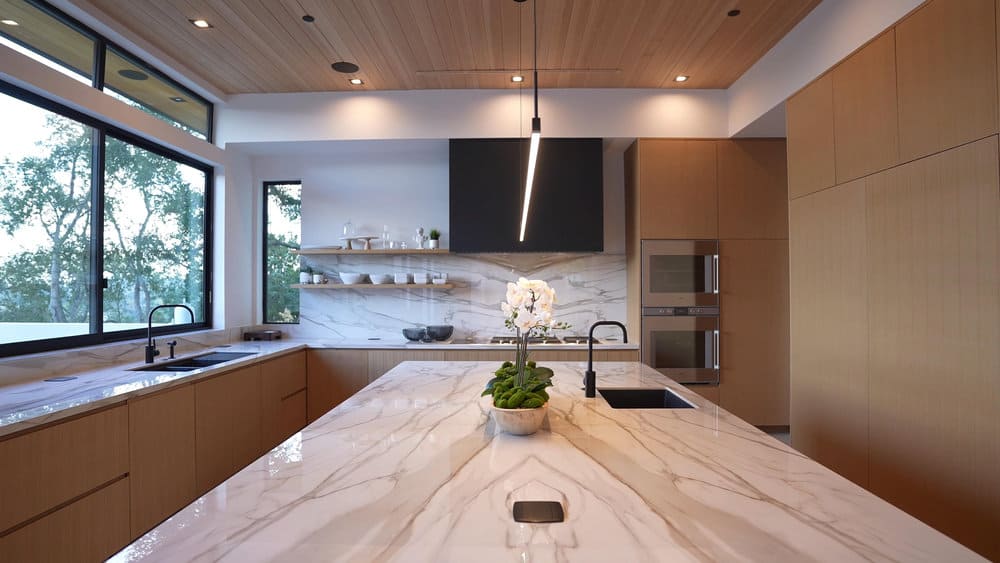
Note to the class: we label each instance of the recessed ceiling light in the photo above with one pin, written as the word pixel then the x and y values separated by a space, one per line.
pixel 733 13
pixel 176 99
pixel 132 74
pixel 345 67
pixel 517 78
pixel 681 78
pixel 308 19
pixel 9 22
pixel 357 81
pixel 200 24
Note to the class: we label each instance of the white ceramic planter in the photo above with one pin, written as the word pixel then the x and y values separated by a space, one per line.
pixel 305 277
pixel 432 243
pixel 520 422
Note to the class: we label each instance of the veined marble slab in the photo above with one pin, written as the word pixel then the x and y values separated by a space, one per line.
pixel 413 469
pixel 589 287
pixel 31 404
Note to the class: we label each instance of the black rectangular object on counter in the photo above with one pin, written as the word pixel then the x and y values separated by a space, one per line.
pixel 486 178
pixel 538 511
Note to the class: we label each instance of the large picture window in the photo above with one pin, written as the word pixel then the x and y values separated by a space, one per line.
pixel 97 227
pixel 282 236
pixel 45 215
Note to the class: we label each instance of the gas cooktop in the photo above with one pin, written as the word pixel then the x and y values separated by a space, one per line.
pixel 511 339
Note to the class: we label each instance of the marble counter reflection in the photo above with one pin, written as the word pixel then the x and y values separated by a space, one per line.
pixel 412 469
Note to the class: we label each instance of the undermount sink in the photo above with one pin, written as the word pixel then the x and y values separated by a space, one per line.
pixel 644 399
pixel 197 362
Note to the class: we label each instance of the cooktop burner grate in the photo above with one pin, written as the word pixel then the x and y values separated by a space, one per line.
pixel 510 339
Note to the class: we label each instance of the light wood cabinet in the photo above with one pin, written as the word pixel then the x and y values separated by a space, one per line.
pixel 283 397
pixel 228 425
pixel 753 189
pixel 946 57
pixel 754 338
pixel 934 270
pixel 45 468
pixel 864 109
pixel 710 392
pixel 677 189
pixel 92 528
pixel 161 456
pixel 333 376
pixel 809 118
pixel 829 328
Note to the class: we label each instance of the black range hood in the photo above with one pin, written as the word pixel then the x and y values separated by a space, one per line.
pixel 486 185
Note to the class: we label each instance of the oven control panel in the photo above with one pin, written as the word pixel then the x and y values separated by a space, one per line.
pixel 680 311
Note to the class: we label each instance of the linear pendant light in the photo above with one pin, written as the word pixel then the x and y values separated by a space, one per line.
pixel 536 133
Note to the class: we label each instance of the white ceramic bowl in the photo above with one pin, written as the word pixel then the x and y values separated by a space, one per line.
pixel 380 279
pixel 351 279
pixel 420 278
pixel 401 278
pixel 439 281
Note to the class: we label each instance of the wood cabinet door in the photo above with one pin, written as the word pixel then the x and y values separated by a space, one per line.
pixel 934 274
pixel 754 337
pixel 91 528
pixel 829 328
pixel 228 423
pixel 333 376
pixel 678 189
pixel 42 469
pixel 161 456
pixel 864 109
pixel 753 189
pixel 809 118
pixel 946 59
pixel 283 398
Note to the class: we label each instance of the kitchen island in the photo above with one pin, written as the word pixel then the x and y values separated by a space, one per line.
pixel 413 469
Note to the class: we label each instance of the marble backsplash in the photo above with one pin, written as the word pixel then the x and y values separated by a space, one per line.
pixel 589 287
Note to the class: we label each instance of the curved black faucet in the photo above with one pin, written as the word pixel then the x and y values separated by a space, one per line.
pixel 589 377
pixel 151 351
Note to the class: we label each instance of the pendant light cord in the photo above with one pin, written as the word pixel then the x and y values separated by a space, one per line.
pixel 534 6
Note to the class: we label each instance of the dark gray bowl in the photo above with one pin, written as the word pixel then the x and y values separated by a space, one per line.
pixel 414 334
pixel 440 332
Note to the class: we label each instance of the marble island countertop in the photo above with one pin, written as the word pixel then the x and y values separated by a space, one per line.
pixel 413 469
pixel 32 403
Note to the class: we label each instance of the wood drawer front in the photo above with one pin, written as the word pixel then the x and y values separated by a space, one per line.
pixel 284 376
pixel 91 529
pixel 47 467
pixel 283 418
pixel 162 456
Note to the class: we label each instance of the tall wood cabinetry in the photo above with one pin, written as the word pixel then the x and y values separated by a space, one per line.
pixel 895 270
pixel 735 191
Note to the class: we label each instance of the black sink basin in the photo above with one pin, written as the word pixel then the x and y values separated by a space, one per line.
pixel 644 399
pixel 198 362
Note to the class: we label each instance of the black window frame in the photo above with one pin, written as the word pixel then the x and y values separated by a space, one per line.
pixel 263 248
pixel 97 335
pixel 101 45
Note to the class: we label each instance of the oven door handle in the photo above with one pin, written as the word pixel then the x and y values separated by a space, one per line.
pixel 715 347
pixel 715 273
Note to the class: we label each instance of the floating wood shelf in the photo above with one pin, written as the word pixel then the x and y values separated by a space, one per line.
pixel 388 251
pixel 372 286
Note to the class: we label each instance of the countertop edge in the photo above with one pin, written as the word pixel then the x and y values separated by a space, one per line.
pixel 283 347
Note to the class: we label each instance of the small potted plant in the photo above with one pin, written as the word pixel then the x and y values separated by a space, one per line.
pixel 518 388
pixel 305 274
pixel 435 237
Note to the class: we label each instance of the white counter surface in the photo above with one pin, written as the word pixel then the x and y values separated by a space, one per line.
pixel 26 405
pixel 412 469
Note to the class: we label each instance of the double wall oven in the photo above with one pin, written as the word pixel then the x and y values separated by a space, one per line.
pixel 680 309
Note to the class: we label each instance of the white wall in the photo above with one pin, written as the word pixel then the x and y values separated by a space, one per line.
pixel 443 114
pixel 833 30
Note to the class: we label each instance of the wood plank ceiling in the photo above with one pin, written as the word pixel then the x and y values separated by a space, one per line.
pixel 265 46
